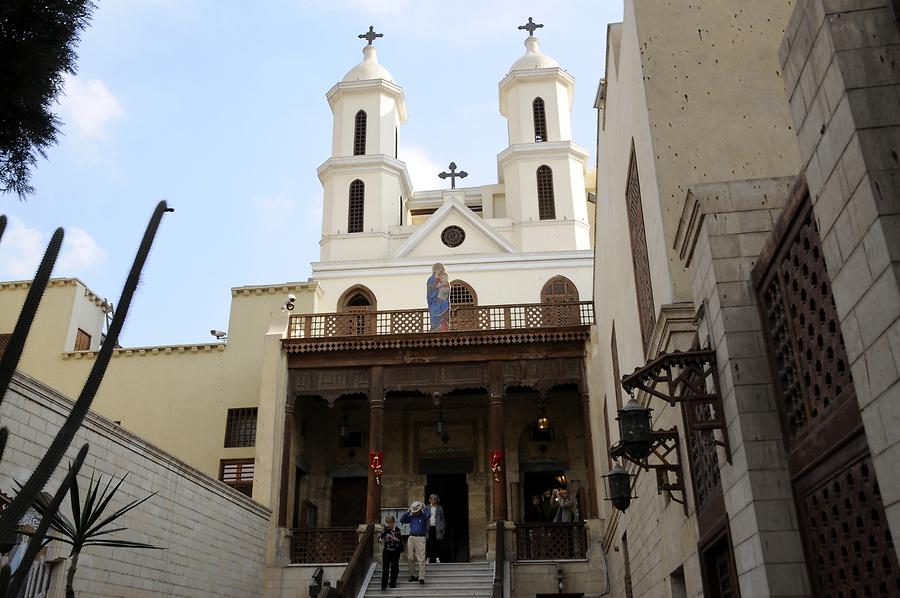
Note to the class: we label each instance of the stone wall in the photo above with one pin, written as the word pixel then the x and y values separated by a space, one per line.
pixel 841 63
pixel 723 229
pixel 214 538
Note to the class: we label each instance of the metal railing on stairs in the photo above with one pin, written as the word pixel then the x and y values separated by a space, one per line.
pixel 499 561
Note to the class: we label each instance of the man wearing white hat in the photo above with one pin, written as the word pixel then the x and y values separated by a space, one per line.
pixel 417 517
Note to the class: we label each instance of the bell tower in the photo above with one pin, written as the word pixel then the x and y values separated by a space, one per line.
pixel 364 183
pixel 542 168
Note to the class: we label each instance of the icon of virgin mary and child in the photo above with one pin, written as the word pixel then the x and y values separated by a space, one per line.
pixel 439 299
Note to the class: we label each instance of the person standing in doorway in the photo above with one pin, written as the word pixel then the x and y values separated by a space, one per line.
pixel 436 527
pixel 392 543
pixel 417 518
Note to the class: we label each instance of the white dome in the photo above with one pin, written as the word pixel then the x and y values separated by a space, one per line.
pixel 368 68
pixel 533 59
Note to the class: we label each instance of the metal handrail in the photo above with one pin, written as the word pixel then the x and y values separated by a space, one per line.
pixel 499 561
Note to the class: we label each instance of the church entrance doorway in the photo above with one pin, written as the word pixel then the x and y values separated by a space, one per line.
pixel 454 493
pixel 348 501
pixel 538 487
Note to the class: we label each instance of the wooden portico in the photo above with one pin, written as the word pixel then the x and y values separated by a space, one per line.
pixel 383 380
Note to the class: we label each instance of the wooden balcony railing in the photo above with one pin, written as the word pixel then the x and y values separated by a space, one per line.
pixel 323 545
pixel 550 541
pixel 463 318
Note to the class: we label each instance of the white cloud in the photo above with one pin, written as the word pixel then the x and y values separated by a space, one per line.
pixel 80 252
pixel 22 248
pixel 423 170
pixel 89 107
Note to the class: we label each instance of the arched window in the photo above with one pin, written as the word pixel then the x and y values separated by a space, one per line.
pixel 462 294
pixel 358 304
pixel 559 289
pixel 540 120
pixel 359 134
pixel 357 298
pixel 546 202
pixel 357 202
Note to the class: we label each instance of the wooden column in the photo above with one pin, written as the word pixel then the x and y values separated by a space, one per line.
pixel 286 462
pixel 376 440
pixel 591 505
pixel 497 446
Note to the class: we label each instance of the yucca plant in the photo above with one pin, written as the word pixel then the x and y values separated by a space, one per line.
pixel 90 524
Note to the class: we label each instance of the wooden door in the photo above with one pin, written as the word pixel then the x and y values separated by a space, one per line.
pixel 348 501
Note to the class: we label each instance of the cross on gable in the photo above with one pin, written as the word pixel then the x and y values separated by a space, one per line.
pixel 370 35
pixel 453 175
pixel 530 26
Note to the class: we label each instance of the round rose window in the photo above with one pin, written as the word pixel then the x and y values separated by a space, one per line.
pixel 453 236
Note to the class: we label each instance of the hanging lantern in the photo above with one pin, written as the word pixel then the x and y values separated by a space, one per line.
pixel 439 428
pixel 635 431
pixel 344 429
pixel 543 422
pixel 619 482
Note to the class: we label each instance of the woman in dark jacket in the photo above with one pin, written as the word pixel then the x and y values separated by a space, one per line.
pixel 392 543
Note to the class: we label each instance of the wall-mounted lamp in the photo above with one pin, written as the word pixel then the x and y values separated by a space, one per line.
pixel 635 431
pixel 619 482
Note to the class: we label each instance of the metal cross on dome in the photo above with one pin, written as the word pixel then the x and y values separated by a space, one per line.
pixel 370 35
pixel 453 175
pixel 530 26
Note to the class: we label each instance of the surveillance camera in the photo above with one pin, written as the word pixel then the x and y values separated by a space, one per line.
pixel 219 334
pixel 289 304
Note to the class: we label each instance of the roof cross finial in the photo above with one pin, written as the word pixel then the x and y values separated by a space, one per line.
pixel 453 175
pixel 530 26
pixel 370 35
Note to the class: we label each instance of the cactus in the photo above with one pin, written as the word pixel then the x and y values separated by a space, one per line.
pixel 30 491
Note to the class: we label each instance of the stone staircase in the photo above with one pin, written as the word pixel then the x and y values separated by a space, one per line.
pixel 443 580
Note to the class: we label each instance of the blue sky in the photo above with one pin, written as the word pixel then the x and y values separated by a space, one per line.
pixel 219 107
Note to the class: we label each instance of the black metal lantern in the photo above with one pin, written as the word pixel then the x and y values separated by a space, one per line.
pixel 344 429
pixel 634 431
pixel 619 482
pixel 542 423
pixel 439 427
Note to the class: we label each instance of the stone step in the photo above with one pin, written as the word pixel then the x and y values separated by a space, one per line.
pixel 443 580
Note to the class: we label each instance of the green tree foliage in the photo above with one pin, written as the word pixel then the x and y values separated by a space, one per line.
pixel 37 47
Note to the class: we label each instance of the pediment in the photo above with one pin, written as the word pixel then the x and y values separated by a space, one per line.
pixel 480 238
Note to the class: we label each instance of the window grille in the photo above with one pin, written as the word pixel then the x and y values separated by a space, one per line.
pixel 82 341
pixel 238 473
pixel 240 429
pixel 540 120
pixel 559 289
pixel 617 376
pixel 359 134
pixel 546 202
pixel 639 256
pixel 357 201
pixel 4 343
pixel 462 294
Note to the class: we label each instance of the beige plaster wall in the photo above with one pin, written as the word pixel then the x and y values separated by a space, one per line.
pixel 176 396
pixel 214 537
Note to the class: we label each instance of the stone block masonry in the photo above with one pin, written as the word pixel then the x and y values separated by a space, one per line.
pixel 841 63
pixel 214 537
